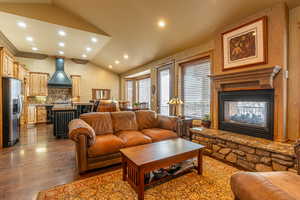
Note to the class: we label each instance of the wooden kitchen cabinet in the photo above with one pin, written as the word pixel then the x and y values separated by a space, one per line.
pixel 38 85
pixel 41 114
pixel 31 118
pixel 75 87
pixel 7 63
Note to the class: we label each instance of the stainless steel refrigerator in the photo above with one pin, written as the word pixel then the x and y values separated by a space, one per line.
pixel 12 100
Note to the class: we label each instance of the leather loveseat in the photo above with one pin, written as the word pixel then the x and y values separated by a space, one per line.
pixel 100 135
pixel 282 185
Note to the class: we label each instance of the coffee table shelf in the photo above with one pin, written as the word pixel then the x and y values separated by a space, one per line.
pixel 140 160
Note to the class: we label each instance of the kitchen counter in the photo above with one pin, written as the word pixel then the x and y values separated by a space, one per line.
pixel 63 108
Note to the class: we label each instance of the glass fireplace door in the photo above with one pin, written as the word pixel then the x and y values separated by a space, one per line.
pixel 246 112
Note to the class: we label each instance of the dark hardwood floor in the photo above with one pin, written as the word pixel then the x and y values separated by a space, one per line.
pixel 38 162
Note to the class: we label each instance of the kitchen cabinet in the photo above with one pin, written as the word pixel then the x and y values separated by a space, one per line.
pixel 16 70
pixel 41 114
pixel 38 84
pixel 31 118
pixel 75 87
pixel 7 63
pixel 22 72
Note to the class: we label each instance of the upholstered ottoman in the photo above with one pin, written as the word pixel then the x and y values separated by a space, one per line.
pixel 265 186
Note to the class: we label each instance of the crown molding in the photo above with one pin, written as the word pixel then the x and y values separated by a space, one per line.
pixel 7 44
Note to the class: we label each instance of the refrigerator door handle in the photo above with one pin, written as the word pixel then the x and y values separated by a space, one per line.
pixel 20 105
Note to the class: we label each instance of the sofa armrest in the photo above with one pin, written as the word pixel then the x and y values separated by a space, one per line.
pixel 79 127
pixel 297 152
pixel 167 122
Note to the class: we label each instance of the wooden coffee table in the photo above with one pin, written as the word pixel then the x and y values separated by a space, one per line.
pixel 139 160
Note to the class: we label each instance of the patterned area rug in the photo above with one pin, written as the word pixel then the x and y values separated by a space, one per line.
pixel 214 184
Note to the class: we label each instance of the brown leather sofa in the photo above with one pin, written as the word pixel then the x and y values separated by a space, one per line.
pixel 100 135
pixel 267 185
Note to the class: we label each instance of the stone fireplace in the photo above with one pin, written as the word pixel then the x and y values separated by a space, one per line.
pixel 249 112
pixel 249 102
pixel 248 121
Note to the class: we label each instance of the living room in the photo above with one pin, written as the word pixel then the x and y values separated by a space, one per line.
pixel 130 100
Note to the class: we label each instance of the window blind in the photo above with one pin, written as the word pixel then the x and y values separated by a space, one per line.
pixel 196 88
pixel 144 90
pixel 129 91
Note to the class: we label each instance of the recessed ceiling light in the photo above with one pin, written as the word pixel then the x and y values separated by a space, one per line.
pixel 61 44
pixel 88 49
pixel 28 38
pixel 84 55
pixel 161 23
pixel 125 56
pixel 93 39
pixel 34 49
pixel 62 33
pixel 109 66
pixel 117 62
pixel 22 24
pixel 61 52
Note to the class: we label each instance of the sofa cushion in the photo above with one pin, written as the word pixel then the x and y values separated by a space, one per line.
pixel 167 122
pixel 100 121
pixel 133 138
pixel 105 144
pixel 124 121
pixel 157 134
pixel 146 119
pixel 266 185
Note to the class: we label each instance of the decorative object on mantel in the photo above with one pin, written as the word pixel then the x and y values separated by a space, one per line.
pixel 175 102
pixel 205 121
pixel 245 45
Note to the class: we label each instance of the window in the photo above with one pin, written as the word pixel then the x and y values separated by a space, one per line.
pixel 164 91
pixel 144 93
pixel 129 91
pixel 196 88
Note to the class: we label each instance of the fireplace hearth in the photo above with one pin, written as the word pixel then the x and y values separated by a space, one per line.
pixel 249 112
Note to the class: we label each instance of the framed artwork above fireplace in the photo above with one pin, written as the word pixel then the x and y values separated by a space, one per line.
pixel 245 45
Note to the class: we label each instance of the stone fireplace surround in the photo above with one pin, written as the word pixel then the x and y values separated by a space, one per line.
pixel 251 153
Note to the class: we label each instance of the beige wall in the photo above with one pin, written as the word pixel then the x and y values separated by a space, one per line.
pixel 283 26
pixel 174 59
pixel 293 126
pixel 92 76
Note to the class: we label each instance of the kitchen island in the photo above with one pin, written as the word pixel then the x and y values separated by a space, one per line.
pixel 62 115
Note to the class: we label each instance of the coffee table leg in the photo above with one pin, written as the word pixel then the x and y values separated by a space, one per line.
pixel 200 162
pixel 124 165
pixel 141 185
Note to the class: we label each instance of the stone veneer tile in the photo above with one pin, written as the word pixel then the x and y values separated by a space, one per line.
pixel 263 144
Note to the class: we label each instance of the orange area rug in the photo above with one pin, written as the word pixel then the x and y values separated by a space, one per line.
pixel 213 185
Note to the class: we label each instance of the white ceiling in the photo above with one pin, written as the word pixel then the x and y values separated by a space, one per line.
pixel 46 38
pixel 132 24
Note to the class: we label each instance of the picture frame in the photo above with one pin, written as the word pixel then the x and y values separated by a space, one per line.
pixel 245 45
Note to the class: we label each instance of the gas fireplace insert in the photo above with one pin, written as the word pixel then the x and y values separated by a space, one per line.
pixel 249 112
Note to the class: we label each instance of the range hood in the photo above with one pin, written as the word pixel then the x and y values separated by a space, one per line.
pixel 60 78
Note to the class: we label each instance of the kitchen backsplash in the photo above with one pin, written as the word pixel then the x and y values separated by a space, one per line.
pixel 59 95
pixel 55 95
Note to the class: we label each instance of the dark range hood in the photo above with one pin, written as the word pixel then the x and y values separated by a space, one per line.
pixel 60 78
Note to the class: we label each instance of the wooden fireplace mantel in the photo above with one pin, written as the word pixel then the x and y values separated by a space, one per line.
pixel 251 79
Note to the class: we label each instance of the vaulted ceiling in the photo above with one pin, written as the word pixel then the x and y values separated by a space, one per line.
pixel 132 24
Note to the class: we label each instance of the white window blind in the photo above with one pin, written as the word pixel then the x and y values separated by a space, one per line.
pixel 129 91
pixel 196 88
pixel 144 90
